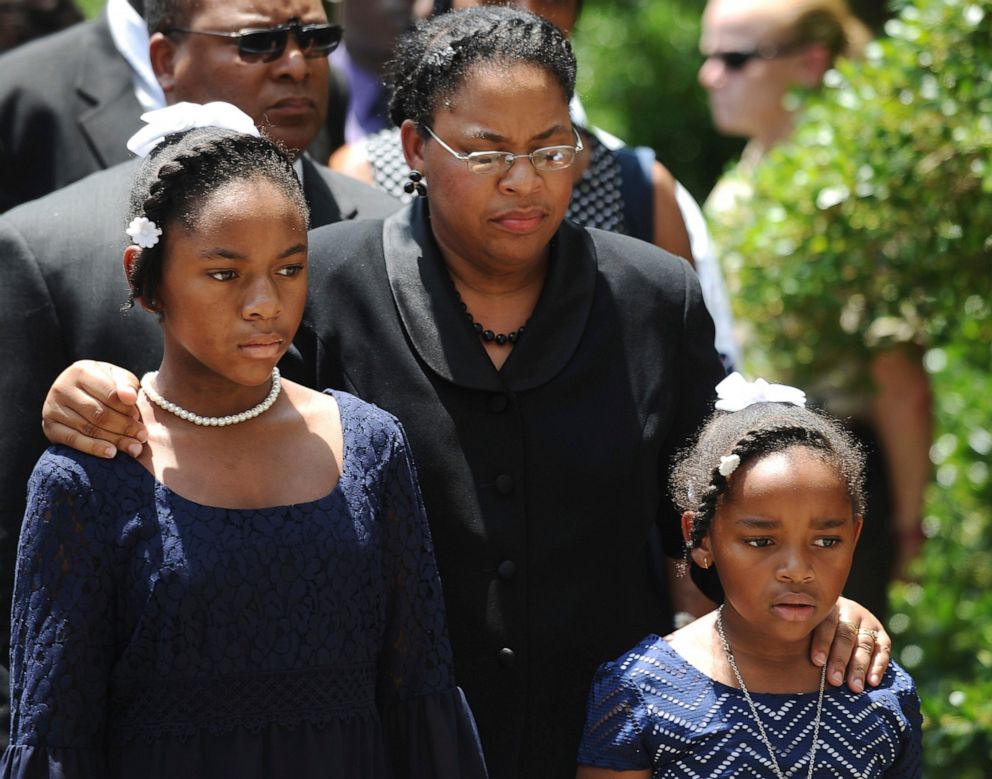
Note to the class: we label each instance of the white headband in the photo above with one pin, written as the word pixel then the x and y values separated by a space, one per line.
pixel 185 116
pixel 735 393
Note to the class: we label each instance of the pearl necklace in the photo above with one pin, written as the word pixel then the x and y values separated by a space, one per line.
pixel 754 710
pixel 196 419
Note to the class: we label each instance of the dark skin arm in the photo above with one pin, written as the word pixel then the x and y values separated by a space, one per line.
pixel 91 407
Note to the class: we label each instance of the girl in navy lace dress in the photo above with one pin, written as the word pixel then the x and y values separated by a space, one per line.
pixel 256 595
pixel 772 496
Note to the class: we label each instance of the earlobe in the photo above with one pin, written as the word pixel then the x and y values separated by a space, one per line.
pixel 701 554
pixel 413 145
pixel 131 255
pixel 162 52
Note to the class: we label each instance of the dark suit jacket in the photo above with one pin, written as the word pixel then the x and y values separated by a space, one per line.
pixel 543 481
pixel 61 290
pixel 67 108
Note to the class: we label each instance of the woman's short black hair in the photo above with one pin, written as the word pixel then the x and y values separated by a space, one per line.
pixel 182 171
pixel 432 62
pixel 753 432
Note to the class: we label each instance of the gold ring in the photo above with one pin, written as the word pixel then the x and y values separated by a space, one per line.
pixel 867 632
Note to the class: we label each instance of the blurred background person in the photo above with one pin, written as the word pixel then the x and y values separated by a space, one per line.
pixel 25 20
pixel 757 50
pixel 371 30
pixel 757 53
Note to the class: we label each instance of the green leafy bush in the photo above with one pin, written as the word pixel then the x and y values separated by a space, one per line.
pixel 872 228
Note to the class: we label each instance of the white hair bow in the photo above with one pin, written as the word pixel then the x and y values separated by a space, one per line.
pixel 185 116
pixel 735 393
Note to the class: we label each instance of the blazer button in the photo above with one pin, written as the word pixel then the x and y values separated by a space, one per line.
pixel 504 484
pixel 498 403
pixel 506 570
pixel 507 658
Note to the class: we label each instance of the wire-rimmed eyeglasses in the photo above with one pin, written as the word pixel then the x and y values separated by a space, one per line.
pixel 487 163
pixel 266 44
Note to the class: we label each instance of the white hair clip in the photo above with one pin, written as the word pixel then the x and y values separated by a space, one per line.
pixel 729 463
pixel 144 232
pixel 185 116
pixel 735 393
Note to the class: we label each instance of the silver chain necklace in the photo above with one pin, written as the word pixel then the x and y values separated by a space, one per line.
pixel 754 710
pixel 196 419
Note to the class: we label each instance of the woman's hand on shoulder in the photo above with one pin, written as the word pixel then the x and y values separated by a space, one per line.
pixel 91 408
pixel 859 648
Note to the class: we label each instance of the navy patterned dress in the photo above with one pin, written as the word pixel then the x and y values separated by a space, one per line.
pixel 652 709
pixel 155 637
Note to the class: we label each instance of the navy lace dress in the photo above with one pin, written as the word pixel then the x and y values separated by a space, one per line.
pixel 652 709
pixel 155 637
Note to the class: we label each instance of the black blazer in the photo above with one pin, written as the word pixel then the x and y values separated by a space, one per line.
pixel 544 480
pixel 67 108
pixel 61 290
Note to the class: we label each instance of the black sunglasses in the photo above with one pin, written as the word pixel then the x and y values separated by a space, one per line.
pixel 268 43
pixel 736 60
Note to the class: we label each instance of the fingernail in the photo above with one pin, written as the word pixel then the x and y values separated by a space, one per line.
pixel 875 680
pixel 819 658
pixel 110 452
pixel 857 685
pixel 134 450
pixel 142 436
pixel 836 677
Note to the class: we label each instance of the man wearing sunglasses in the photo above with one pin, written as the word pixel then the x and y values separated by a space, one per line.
pixel 61 284
pixel 273 66
pixel 756 51
pixel 69 102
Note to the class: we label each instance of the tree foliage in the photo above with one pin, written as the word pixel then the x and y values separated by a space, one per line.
pixel 872 228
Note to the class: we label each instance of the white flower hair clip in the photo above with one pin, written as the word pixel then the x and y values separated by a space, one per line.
pixel 728 464
pixel 185 116
pixel 735 392
pixel 144 232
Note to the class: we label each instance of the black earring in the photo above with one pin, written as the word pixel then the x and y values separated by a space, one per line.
pixel 415 184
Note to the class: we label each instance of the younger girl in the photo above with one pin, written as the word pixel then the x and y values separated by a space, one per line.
pixel 772 500
pixel 256 595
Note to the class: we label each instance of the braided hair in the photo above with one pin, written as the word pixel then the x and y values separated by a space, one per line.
pixel 760 429
pixel 186 168
pixel 432 62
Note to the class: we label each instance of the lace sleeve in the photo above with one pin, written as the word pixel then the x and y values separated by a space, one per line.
pixel 909 762
pixel 427 723
pixel 416 655
pixel 62 627
pixel 615 721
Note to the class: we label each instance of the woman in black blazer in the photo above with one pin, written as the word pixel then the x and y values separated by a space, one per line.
pixel 545 375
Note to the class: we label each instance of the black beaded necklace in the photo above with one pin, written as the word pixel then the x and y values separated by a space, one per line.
pixel 500 339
